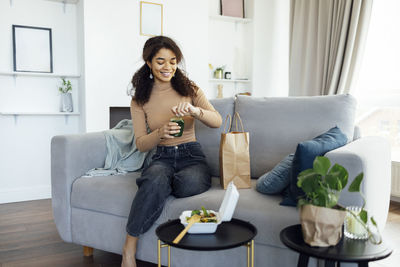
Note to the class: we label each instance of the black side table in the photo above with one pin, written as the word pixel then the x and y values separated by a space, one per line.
pixel 228 235
pixel 347 250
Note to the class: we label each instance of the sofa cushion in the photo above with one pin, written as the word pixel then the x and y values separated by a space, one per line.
pixel 277 124
pixel 276 180
pixel 114 194
pixel 209 138
pixel 109 194
pixel 304 157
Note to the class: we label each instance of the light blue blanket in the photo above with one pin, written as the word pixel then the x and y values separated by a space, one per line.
pixel 122 155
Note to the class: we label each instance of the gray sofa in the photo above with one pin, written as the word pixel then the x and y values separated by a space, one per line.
pixel 93 211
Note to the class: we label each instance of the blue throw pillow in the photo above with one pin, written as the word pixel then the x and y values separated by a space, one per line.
pixel 304 157
pixel 274 181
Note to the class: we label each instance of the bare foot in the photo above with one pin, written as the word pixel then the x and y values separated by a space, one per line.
pixel 128 260
pixel 129 252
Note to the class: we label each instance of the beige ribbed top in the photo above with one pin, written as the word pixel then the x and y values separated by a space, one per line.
pixel 157 112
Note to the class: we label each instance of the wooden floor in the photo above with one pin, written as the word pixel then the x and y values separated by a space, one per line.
pixel 391 235
pixel 28 237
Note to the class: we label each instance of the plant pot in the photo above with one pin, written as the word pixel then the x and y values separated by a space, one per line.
pixel 218 74
pixel 66 103
pixel 321 226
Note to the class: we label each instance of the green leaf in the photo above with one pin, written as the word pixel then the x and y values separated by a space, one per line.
pixel 306 172
pixel 205 213
pixel 195 212
pixel 341 173
pixel 363 216
pixel 309 183
pixel 333 182
pixel 355 185
pixel 339 186
pixel 321 198
pixel 321 165
pixel 332 199
pixel 373 222
pixel 303 175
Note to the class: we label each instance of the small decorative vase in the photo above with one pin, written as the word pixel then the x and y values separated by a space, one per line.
pixel 321 226
pixel 218 73
pixel 352 227
pixel 66 103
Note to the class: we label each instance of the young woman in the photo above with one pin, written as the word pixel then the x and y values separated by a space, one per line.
pixel 163 91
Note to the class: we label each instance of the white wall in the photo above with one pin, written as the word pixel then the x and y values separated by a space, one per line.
pixel 25 140
pixel 113 49
pixel 37 94
pixel 100 40
pixel 271 47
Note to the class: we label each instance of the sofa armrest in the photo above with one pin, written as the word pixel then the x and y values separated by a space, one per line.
pixel 71 157
pixel 370 155
pixel 357 133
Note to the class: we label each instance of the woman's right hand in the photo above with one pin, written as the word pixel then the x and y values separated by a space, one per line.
pixel 169 128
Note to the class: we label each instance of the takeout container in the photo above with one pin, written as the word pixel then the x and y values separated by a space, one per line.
pixel 224 214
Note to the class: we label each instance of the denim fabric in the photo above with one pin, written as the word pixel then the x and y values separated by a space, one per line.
pixel 276 180
pixel 180 171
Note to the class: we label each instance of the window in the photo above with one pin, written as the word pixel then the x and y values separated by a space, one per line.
pixel 378 88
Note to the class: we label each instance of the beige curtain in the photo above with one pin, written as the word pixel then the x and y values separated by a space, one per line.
pixel 326 45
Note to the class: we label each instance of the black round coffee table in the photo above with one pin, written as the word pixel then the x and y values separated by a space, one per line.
pixel 347 250
pixel 230 234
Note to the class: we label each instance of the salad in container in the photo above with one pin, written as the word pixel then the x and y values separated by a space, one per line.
pixel 210 219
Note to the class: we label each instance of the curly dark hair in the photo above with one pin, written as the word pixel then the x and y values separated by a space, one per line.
pixel 141 79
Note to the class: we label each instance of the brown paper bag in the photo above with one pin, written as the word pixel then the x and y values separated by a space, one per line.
pixel 234 156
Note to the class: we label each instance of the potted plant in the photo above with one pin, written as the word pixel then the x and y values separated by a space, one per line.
pixel 321 216
pixel 66 96
pixel 219 72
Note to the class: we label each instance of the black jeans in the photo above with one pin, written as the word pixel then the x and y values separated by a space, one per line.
pixel 180 171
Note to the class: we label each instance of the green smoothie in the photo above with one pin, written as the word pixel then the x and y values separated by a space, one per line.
pixel 181 123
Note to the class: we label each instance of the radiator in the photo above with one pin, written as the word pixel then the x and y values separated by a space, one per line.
pixel 395 179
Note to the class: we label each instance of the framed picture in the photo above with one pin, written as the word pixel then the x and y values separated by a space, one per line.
pixel 32 49
pixel 151 19
pixel 232 8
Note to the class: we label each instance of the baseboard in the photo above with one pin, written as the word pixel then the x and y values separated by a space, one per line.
pixel 24 194
pixel 395 199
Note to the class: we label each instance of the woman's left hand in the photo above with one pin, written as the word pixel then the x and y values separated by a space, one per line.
pixel 185 109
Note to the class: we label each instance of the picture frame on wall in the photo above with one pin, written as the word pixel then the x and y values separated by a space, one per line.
pixel 232 8
pixel 151 19
pixel 32 49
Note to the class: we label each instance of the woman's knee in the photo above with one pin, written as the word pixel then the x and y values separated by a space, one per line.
pixel 156 175
pixel 191 182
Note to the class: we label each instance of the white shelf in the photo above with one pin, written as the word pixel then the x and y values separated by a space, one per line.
pixel 231 19
pixel 65 1
pixel 230 80
pixel 38 74
pixel 15 113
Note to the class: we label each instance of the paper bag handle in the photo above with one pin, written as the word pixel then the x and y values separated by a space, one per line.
pixel 236 116
pixel 230 123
